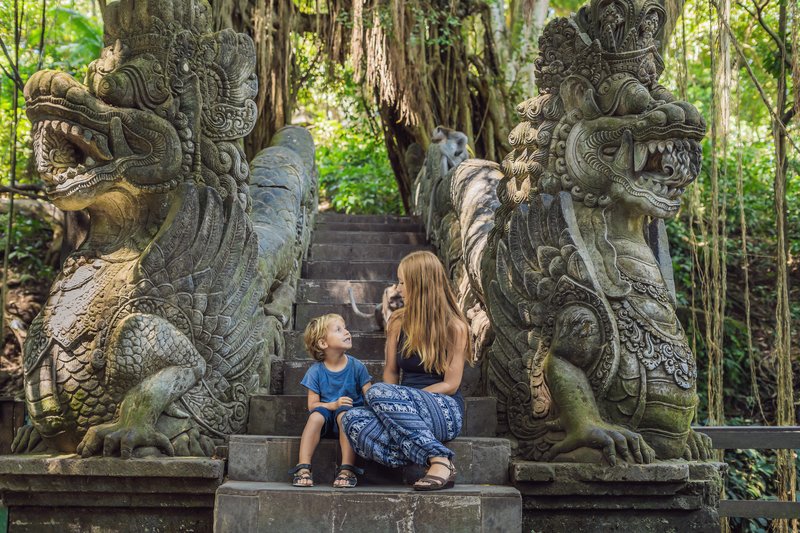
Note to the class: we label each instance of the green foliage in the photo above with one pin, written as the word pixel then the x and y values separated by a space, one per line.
pixel 355 174
pixel 758 200
pixel 751 476
pixel 73 38
pixel 758 170
pixel 74 55
pixel 448 26
pixel 736 365
pixel 751 473
pixel 30 245
pixel 750 139
pixel 354 170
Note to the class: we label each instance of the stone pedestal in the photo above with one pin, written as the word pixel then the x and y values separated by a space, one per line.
pixel 57 493
pixel 662 497
pixel 277 507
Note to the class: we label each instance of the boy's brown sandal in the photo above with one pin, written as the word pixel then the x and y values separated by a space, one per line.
pixel 429 482
pixel 346 476
pixel 299 475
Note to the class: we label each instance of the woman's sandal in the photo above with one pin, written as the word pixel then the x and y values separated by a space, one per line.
pixel 429 482
pixel 300 476
pixel 347 474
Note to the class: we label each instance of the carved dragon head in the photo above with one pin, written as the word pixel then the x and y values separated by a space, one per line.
pixel 602 128
pixel 165 103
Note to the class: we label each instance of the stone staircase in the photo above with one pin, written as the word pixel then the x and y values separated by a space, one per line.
pixel 359 253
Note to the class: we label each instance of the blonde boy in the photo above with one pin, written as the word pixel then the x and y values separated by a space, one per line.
pixel 335 383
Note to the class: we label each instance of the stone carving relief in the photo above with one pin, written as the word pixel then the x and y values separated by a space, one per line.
pixel 456 199
pixel 285 197
pixel 153 336
pixel 589 361
pixel 565 247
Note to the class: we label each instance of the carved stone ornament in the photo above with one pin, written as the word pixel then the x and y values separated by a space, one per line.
pixel 589 361
pixel 456 199
pixel 152 337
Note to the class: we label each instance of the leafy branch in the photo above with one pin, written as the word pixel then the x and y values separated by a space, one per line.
pixel 781 124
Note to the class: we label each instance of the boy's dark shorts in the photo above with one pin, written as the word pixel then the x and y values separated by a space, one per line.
pixel 331 428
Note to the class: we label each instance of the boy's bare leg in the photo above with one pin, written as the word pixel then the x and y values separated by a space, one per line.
pixel 309 441
pixel 348 455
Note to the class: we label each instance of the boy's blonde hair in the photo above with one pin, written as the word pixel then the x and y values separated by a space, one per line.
pixel 317 330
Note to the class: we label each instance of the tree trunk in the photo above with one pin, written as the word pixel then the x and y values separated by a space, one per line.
pixel 270 24
pixel 674 9
pixel 787 474
pixel 527 19
pixel 715 275
pixel 398 138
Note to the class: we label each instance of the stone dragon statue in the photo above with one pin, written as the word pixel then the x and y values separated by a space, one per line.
pixel 155 332
pixel 579 279
pixel 456 199
pixel 588 360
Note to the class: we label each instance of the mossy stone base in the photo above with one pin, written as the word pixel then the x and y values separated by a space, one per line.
pixel 670 496
pixel 58 493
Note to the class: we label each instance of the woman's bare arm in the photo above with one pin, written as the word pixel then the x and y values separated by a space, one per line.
pixel 391 374
pixel 457 349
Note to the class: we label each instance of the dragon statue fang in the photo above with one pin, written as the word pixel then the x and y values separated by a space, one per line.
pixel 152 338
pixel 589 361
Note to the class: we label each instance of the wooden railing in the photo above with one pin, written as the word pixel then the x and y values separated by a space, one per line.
pixel 755 438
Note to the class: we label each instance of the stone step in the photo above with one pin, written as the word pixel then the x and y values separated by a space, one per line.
pixel 342 217
pixel 362 252
pixel 303 313
pixel 595 498
pixel 268 458
pixel 360 270
pixel 370 226
pixel 243 506
pixel 368 237
pixel 287 415
pixel 366 346
pixel 336 291
pixel 286 376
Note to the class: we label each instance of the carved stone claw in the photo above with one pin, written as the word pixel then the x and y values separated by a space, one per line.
pixel 614 442
pixel 554 425
pixel 115 439
pixel 193 443
pixel 28 440
pixel 698 447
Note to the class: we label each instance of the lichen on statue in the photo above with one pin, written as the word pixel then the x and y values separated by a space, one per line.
pixel 150 340
pixel 590 362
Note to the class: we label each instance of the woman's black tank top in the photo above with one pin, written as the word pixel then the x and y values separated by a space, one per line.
pixel 414 374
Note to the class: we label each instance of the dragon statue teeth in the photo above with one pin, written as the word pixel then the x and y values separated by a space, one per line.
pixel 589 361
pixel 151 339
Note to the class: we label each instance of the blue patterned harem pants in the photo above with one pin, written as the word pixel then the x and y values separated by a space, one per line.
pixel 402 425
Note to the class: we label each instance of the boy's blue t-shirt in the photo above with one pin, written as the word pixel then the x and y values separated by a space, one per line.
pixel 333 385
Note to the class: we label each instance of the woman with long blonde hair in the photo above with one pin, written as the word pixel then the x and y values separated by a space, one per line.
pixel 419 404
